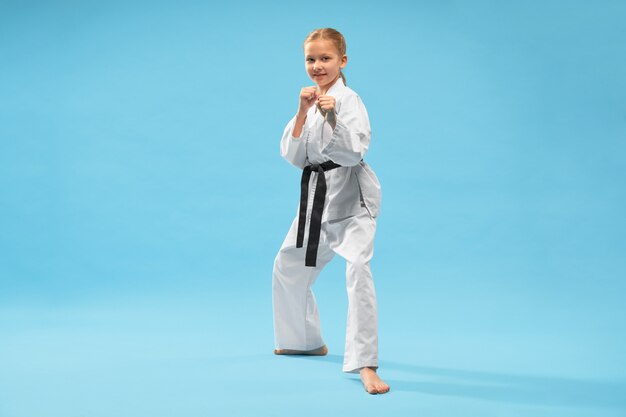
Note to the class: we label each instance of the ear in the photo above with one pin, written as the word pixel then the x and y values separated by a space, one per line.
pixel 344 61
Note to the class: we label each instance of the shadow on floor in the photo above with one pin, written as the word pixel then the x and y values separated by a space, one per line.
pixel 501 387
pixel 511 388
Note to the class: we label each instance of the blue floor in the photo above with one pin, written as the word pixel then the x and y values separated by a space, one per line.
pixel 444 353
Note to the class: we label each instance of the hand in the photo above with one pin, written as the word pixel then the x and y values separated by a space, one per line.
pixel 308 97
pixel 326 105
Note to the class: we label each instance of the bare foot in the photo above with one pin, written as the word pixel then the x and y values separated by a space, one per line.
pixel 322 351
pixel 372 382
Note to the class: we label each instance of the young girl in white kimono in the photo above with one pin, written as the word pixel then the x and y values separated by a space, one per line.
pixel 340 198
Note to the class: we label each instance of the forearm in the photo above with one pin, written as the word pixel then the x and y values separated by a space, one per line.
pixel 331 118
pixel 291 148
pixel 299 124
pixel 349 141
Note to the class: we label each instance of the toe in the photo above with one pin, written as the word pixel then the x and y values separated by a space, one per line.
pixel 381 388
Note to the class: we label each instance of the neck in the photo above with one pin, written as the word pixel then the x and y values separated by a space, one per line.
pixel 323 90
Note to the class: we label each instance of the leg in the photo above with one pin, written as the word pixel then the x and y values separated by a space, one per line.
pixel 362 329
pixel 361 348
pixel 353 239
pixel 296 318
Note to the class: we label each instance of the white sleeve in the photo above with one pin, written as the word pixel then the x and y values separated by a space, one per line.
pixel 294 149
pixel 352 133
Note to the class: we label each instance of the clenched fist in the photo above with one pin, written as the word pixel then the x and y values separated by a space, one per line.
pixel 308 97
pixel 326 105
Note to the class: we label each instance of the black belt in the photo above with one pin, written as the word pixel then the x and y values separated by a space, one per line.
pixel 316 212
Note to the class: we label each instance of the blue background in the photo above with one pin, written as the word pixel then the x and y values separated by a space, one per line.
pixel 143 200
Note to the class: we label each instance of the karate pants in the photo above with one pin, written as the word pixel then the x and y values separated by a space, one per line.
pixel 296 318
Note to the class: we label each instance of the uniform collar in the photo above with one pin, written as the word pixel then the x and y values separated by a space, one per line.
pixel 339 84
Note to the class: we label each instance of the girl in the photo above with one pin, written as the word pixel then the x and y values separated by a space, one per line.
pixel 339 201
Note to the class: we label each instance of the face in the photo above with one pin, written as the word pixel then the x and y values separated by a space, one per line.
pixel 323 62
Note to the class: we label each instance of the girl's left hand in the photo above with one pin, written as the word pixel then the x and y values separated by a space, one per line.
pixel 326 103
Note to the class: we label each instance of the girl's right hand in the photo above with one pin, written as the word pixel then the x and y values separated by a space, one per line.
pixel 308 96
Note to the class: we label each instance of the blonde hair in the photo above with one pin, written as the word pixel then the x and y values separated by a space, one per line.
pixel 330 34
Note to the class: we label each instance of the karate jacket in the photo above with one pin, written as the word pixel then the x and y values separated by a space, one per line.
pixel 354 183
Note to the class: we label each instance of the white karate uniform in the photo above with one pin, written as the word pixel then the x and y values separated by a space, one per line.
pixel 348 228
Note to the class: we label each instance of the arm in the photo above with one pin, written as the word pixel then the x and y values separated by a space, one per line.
pixel 292 147
pixel 293 143
pixel 351 133
pixel 299 124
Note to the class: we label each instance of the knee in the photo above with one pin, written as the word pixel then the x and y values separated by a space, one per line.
pixel 281 267
pixel 359 265
pixel 279 260
pixel 277 263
